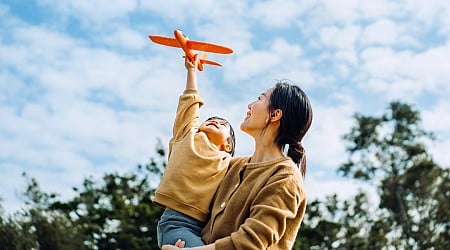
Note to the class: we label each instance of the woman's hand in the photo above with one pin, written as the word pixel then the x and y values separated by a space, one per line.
pixel 170 247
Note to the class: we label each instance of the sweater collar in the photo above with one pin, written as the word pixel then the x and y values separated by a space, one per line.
pixel 266 163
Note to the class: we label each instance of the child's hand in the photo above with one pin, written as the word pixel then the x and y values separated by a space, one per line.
pixel 191 65
pixel 178 245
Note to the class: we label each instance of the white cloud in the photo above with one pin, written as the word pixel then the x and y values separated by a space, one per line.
pixel 317 186
pixel 407 72
pixel 323 142
pixel 340 38
pixel 437 120
pixel 279 13
pixel 245 66
pixel 430 15
pixel 341 12
pixel 89 12
pixel 280 55
pixel 11 188
pixel 431 68
pixel 382 32
pixel 340 44
pixel 127 39
pixel 180 12
pixel 375 10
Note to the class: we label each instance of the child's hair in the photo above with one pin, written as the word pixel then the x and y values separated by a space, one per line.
pixel 231 139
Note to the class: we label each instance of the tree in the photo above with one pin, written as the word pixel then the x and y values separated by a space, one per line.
pixel 390 150
pixel 38 227
pixel 341 224
pixel 12 236
pixel 115 212
pixel 118 213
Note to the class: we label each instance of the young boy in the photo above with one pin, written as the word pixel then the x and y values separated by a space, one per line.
pixel 198 159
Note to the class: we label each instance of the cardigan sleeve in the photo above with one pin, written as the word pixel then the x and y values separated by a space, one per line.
pixel 187 115
pixel 278 208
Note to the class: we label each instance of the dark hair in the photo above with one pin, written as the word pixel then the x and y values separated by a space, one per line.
pixel 232 138
pixel 295 122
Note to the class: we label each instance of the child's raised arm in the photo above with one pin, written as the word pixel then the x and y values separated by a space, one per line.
pixel 191 80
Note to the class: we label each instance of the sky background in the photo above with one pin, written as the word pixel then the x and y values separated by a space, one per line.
pixel 84 92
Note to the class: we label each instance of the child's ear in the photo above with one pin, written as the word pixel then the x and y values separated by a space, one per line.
pixel 226 147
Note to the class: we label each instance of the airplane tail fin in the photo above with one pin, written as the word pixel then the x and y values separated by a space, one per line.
pixel 210 62
pixel 206 61
pixel 203 60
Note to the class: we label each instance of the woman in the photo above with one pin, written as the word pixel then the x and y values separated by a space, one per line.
pixel 261 202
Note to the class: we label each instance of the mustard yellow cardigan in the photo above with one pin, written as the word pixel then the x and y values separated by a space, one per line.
pixel 257 206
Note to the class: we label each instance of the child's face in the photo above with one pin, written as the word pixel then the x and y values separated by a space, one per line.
pixel 217 131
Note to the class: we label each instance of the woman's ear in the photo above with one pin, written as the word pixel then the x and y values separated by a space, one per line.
pixel 276 115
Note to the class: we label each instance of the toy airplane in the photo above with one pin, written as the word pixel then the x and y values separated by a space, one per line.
pixel 181 41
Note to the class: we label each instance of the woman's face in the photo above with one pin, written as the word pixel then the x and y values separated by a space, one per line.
pixel 257 114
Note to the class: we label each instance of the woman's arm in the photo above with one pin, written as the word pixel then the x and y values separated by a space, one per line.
pixel 205 247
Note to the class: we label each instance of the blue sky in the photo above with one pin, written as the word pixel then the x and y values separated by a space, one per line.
pixel 83 91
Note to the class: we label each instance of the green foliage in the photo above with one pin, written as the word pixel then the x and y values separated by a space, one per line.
pixel 341 224
pixel 390 152
pixel 115 212
pixel 15 235
pixel 38 227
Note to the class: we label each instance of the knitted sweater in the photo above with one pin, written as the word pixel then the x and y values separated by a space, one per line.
pixel 257 206
pixel 195 166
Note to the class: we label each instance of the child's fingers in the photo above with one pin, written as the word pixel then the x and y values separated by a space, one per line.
pixel 180 243
pixel 188 63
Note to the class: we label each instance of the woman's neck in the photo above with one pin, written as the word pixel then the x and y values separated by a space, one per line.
pixel 265 151
pixel 265 147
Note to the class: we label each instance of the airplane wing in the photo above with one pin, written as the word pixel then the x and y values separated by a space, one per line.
pixel 168 41
pixel 208 47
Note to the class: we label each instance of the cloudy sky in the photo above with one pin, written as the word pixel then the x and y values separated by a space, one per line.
pixel 84 92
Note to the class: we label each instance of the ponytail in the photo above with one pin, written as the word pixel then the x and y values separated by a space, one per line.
pixel 295 122
pixel 297 153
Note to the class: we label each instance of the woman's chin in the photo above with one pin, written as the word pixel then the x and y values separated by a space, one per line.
pixel 244 126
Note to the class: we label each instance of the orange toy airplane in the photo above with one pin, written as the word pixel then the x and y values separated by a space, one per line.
pixel 181 41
